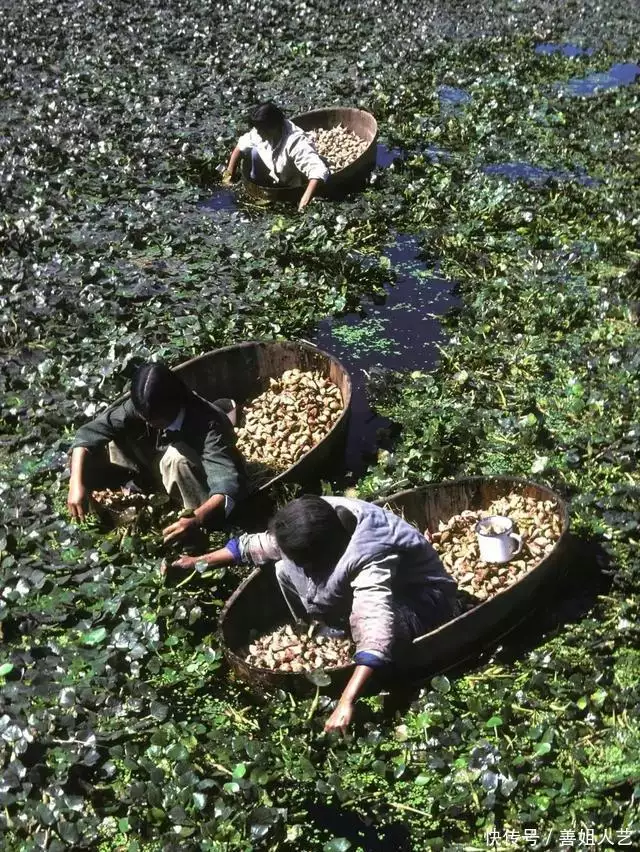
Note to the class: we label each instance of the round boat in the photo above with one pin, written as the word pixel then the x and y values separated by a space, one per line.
pixel 352 176
pixel 258 604
pixel 242 372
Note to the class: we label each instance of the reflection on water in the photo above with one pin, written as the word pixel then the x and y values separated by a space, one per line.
pixel 385 156
pixel 223 198
pixel 569 50
pixel 452 99
pixel 400 334
pixel 536 174
pixel 620 74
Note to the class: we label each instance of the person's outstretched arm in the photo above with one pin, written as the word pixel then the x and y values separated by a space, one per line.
pixel 78 498
pixel 340 719
pixel 257 548
pixel 309 192
pixel 89 439
pixel 232 165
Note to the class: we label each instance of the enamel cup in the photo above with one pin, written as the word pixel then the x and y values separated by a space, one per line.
pixel 497 540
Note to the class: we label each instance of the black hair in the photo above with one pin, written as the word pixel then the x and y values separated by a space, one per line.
pixel 157 393
pixel 310 533
pixel 266 114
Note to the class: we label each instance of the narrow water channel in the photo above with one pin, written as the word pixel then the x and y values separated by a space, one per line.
pixel 400 334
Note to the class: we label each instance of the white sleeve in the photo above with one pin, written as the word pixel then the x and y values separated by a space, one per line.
pixel 307 160
pixel 259 548
pixel 245 142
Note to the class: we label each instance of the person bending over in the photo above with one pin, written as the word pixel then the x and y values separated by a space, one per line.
pixel 279 153
pixel 166 436
pixel 347 562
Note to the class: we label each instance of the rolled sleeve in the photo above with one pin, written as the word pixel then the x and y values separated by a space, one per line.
pixel 372 614
pixel 307 160
pixel 246 142
pixel 258 548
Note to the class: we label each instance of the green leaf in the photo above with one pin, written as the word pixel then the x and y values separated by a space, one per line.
pixel 239 770
pixel 94 637
pixel 123 825
pixel 540 464
pixel 319 677
pixel 441 684
pixel 5 668
pixel 542 749
pixel 493 722
pixel 338 844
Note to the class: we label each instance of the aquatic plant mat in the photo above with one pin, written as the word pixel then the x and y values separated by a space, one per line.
pixel 119 726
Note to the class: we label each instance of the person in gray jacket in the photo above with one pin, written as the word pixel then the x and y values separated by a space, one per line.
pixel 344 561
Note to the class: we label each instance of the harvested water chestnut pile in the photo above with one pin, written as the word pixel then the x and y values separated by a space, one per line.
pixel 118 500
pixel 288 649
pixel 338 146
pixel 537 521
pixel 288 419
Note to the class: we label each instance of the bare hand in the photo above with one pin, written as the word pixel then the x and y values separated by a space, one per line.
pixel 78 501
pixel 179 529
pixel 187 562
pixel 340 719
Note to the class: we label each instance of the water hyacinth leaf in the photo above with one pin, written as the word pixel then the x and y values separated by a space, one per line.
pixel 158 710
pixel 239 770
pixel 319 677
pixel 337 844
pixel 5 668
pixel 493 722
pixel 441 684
pixel 541 749
pixel 94 637
pixel 67 697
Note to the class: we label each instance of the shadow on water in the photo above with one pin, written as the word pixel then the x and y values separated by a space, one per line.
pixel 569 50
pixel 536 174
pixel 620 74
pixel 399 334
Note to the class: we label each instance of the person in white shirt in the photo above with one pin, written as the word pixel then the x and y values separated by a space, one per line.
pixel 280 152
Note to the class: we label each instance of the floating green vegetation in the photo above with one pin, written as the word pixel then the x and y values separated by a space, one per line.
pixel 364 338
pixel 120 728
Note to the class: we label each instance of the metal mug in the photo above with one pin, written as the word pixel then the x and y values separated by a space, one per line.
pixel 497 547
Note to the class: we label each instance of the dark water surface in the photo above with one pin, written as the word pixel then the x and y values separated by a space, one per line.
pixel 400 334
pixel 620 74
pixel 396 331
pixel 567 49
pixel 536 174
